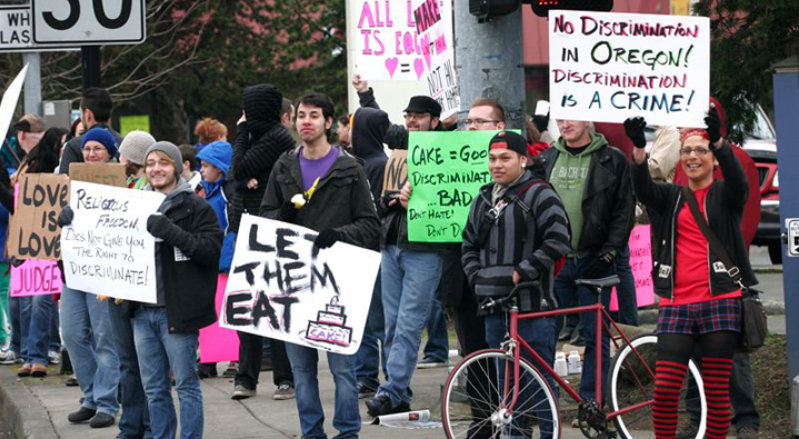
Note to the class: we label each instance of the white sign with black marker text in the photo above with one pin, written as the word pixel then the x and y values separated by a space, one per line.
pixel 107 250
pixel 281 287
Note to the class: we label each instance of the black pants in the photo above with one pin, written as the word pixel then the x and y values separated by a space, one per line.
pixel 742 395
pixel 250 356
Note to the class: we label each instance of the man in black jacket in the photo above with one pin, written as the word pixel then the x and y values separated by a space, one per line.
pixel 593 180
pixel 167 332
pixel 337 203
pixel 95 111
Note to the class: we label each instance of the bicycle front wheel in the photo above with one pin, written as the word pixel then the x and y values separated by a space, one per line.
pixel 476 404
pixel 633 385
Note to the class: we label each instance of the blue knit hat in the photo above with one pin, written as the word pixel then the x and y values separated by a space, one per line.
pixel 217 153
pixel 104 137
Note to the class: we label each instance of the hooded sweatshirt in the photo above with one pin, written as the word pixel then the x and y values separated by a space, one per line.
pixel 568 178
pixel 369 127
pixel 218 154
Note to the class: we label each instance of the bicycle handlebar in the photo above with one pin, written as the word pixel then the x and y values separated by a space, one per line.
pixel 500 301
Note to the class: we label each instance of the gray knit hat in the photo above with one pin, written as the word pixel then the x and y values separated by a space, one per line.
pixel 135 144
pixel 169 149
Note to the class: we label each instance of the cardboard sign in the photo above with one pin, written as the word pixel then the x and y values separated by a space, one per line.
pixel 641 264
pixel 33 232
pixel 606 67
pixel 35 277
pixel 434 26
pixel 107 249
pixel 396 173
pixel 281 287
pixel 446 171
pixel 219 344
pixel 111 174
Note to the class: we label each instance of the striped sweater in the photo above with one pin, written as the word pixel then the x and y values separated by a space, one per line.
pixel 529 236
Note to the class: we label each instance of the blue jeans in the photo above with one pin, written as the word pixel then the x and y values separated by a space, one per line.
pixel 160 352
pixel 625 291
pixel 55 325
pixel 368 358
pixel 304 364
pixel 540 334
pixel 410 279
pixel 135 419
pixel 88 337
pixel 35 313
pixel 437 347
pixel 565 289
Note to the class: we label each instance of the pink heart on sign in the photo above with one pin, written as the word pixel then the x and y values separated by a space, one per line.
pixel 391 65
pixel 426 49
pixel 418 65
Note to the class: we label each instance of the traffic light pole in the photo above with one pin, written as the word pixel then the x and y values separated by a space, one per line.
pixel 488 58
pixel 90 60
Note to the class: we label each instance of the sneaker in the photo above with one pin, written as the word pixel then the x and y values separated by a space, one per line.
pixel 241 392
pixel 283 392
pixel 82 415
pixel 71 382
pixel 381 405
pixel 8 357
pixel 25 370
pixel 54 357
pixel 232 369
pixel 577 339
pixel 365 391
pixel 432 363
pixel 747 433
pixel 566 334
pixel 688 433
pixel 206 370
pixel 101 420
pixel 39 370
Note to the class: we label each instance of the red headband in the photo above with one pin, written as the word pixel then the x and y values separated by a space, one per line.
pixel 690 132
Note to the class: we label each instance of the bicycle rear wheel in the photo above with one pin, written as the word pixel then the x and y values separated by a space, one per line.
pixel 475 404
pixel 632 383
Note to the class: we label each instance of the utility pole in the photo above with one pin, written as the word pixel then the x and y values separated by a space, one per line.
pixel 90 59
pixel 33 83
pixel 488 59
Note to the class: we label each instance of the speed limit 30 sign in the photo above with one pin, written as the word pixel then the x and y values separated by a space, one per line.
pixel 88 22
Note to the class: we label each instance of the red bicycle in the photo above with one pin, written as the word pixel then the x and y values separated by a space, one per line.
pixel 479 402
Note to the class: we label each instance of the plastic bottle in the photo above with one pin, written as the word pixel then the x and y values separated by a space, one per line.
pixel 575 363
pixel 560 364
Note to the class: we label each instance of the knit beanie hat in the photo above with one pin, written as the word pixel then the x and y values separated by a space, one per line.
pixel 218 153
pixel 170 150
pixel 135 144
pixel 104 137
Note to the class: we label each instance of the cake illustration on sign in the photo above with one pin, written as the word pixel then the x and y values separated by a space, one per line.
pixel 329 326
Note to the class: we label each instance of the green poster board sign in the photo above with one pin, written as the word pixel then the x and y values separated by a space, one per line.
pixel 134 123
pixel 446 171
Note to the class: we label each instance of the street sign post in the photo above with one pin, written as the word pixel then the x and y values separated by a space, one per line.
pixel 88 22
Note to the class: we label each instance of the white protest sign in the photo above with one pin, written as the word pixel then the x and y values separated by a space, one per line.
pixel 278 287
pixel 387 46
pixel 10 99
pixel 107 250
pixel 606 67
pixel 434 29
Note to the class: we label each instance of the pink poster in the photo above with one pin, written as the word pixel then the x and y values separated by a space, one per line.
pixel 219 344
pixel 35 277
pixel 641 264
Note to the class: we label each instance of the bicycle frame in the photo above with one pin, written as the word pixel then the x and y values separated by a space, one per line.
pixel 517 342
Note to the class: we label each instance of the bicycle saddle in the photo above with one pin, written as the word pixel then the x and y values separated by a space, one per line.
pixel 605 282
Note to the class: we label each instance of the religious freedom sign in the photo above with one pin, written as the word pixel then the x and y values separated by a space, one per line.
pixel 446 171
pixel 107 250
pixel 281 287
pixel 606 67
pixel 434 29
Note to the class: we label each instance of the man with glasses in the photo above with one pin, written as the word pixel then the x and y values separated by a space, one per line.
pixel 485 114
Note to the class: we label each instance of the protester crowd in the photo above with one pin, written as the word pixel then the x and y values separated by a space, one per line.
pixel 559 209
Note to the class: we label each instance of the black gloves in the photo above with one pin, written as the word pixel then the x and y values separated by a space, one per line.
pixel 160 226
pixel 327 238
pixel 713 123
pixel 65 217
pixel 384 202
pixel 541 122
pixel 634 127
pixel 598 267
pixel 287 212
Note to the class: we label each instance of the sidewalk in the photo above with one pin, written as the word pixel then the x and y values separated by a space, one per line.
pixel 38 408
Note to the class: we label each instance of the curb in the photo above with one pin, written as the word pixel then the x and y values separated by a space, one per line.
pixel 24 413
pixel 767 270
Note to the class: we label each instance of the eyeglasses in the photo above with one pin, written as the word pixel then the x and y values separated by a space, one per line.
pixel 701 152
pixel 96 151
pixel 417 116
pixel 479 122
